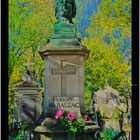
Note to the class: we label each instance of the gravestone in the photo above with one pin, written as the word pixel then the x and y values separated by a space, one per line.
pixel 64 59
pixel 106 101
pixel 27 101
pixel 64 71
pixel 64 78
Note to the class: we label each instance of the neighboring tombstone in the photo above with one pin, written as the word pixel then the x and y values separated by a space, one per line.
pixel 27 101
pixel 106 101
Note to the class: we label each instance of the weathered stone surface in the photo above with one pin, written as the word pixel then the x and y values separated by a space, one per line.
pixel 27 103
pixel 26 84
pixel 49 121
pixel 57 134
pixel 64 78
pixel 89 133
pixel 107 110
pixel 106 101
pixel 112 123
pixel 41 129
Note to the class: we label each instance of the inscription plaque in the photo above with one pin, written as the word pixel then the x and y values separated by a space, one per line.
pixel 64 102
pixel 67 103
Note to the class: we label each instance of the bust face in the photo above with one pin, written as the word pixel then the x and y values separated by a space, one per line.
pixel 64 8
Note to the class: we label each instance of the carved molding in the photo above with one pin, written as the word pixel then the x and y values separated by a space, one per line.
pixel 37 98
pixel 17 98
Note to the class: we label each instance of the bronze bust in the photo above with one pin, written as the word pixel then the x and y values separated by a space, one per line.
pixel 65 10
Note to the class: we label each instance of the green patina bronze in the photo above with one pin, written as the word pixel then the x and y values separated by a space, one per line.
pixel 65 10
pixel 64 37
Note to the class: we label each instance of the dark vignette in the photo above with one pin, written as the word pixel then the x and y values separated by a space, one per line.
pixel 135 70
pixel 4 69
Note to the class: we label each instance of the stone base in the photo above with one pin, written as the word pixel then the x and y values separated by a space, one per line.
pixel 54 134
pixel 110 123
pixel 78 136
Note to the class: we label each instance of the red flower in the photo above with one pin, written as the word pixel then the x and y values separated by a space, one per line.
pixel 86 118
pixel 71 115
pixel 59 114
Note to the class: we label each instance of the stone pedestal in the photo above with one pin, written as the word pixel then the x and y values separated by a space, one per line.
pixel 64 65
pixel 89 133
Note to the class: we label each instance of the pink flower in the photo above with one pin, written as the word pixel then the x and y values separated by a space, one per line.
pixel 86 118
pixel 56 117
pixel 71 115
pixel 59 114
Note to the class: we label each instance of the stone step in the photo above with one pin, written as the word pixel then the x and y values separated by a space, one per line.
pixel 90 123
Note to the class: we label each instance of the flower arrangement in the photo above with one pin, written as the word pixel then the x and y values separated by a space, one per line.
pixel 69 122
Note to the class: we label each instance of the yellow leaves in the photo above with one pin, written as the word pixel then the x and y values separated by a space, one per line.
pixel 15 77
pixel 105 62
pixel 110 16
pixel 87 99
pixel 104 23
pixel 42 18
pixel 22 1
pixel 126 83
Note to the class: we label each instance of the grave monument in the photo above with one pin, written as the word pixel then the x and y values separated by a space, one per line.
pixel 64 58
pixel 27 101
pixel 64 68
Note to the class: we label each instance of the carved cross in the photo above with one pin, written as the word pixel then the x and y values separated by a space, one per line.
pixel 63 71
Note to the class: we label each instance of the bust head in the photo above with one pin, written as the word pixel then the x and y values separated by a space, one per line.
pixel 65 10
